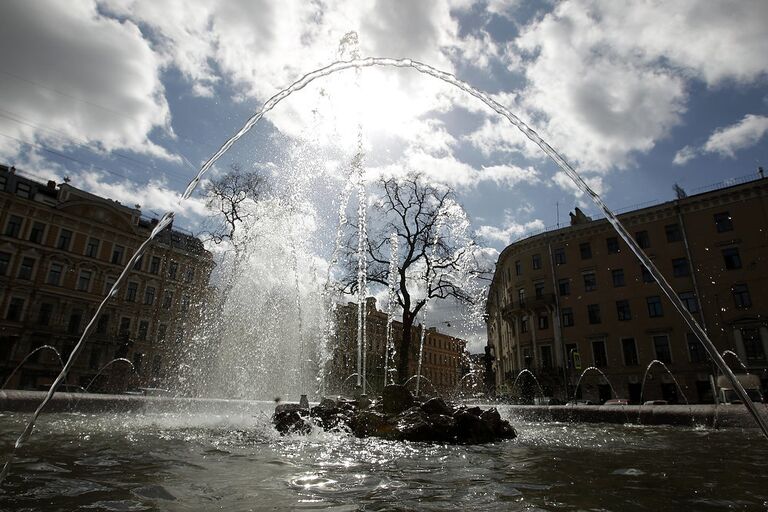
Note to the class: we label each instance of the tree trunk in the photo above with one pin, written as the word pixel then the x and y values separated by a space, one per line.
pixel 405 349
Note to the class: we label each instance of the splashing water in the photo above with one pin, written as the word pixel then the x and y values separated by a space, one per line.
pixel 101 370
pixel 38 349
pixel 526 371
pixel 598 370
pixel 389 345
pixel 359 63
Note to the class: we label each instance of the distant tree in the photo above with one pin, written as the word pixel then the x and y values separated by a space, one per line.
pixel 430 262
pixel 228 198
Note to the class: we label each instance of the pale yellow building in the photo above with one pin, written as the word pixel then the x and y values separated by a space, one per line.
pixel 61 250
pixel 575 297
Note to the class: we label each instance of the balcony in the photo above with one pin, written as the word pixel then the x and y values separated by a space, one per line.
pixel 529 304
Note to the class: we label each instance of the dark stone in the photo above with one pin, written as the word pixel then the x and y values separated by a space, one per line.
pixel 290 422
pixel 368 423
pixel 443 428
pixel 396 399
pixel 436 406
pixel 414 425
pixel 287 408
pixel 470 429
pixel 501 428
pixel 475 411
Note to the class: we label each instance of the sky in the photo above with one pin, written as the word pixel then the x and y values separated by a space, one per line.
pixel 128 98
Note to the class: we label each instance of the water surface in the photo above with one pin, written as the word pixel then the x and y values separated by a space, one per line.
pixel 234 462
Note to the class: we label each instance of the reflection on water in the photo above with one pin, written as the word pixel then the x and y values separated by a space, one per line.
pixel 194 462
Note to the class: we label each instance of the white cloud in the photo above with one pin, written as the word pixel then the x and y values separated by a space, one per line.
pixel 746 133
pixel 71 75
pixel 727 140
pixel 609 79
pixel 448 170
pixel 510 230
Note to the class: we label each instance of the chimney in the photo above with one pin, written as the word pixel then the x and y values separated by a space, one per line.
pixel 51 185
pixel 370 303
pixel 578 217
pixel 12 170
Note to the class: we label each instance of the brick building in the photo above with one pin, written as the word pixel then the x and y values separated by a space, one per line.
pixel 61 250
pixel 443 354
pixel 574 297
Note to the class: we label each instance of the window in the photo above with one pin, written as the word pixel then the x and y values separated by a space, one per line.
pixel 585 250
pixel 92 248
pixel 689 299
pixel 593 312
pixel 103 324
pixel 564 287
pixel 598 354
pixel 5 263
pixel 629 348
pixel 125 328
pixel 673 232
pixel 646 274
pixel 612 243
pixel 654 306
pixel 723 222
pixel 680 267
pixel 543 321
pixel 167 300
pixel 753 346
pixel 23 190
pixel 661 346
pixel 36 233
pixel 65 239
pixel 173 268
pixel 567 317
pixel 149 295
pixel 189 275
pixel 161 329
pixel 45 313
pixel 15 309
pixel 95 360
pixel 732 258
pixel 590 281
pixel 143 329
pixel 138 358
pixel 75 318
pixel 109 282
pixel 696 351
pixel 518 268
pixel 13 227
pixel 184 303
pixel 642 239
pixel 572 356
pixel 54 274
pixel 154 265
pixel 138 262
pixel 84 281
pixel 623 311
pixel 521 296
pixel 546 356
pixel 617 275
pixel 26 268
pixel 117 254
pixel 131 291
pixel 559 255
pixel 524 324
pixel 741 298
pixel 539 289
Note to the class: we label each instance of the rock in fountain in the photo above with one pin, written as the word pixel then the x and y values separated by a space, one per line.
pixel 398 416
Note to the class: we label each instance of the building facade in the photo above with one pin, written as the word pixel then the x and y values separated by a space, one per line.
pixel 576 297
pixel 61 250
pixel 442 364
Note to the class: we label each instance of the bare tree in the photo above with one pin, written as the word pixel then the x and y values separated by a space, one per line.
pixel 428 259
pixel 227 198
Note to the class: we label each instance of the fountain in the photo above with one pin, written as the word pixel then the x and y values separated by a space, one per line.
pixel 26 358
pixel 214 466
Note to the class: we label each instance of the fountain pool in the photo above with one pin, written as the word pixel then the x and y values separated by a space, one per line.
pixel 236 461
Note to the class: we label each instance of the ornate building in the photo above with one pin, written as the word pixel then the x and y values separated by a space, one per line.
pixel 61 250
pixel 442 364
pixel 574 297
